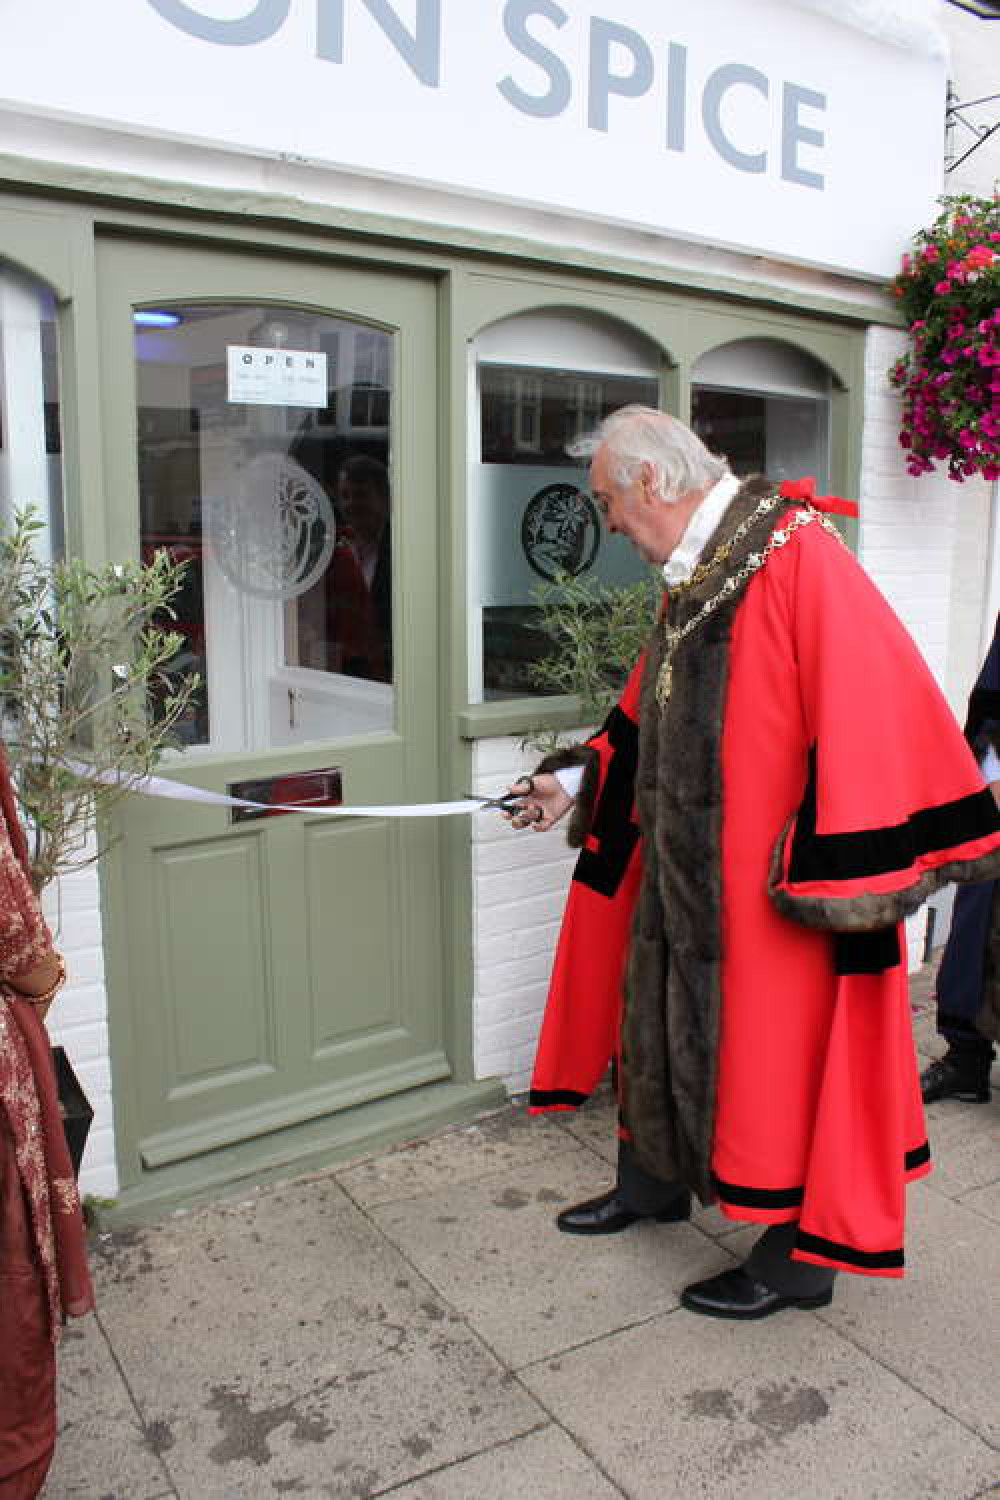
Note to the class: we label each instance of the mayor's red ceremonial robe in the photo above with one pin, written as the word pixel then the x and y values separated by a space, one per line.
pixel 848 794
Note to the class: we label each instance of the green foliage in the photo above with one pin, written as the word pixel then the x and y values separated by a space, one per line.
pixel 84 678
pixel 596 633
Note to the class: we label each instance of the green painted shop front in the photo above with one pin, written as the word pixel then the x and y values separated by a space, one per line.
pixel 291 989
pixel 283 969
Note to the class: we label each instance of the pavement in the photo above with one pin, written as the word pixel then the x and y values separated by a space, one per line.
pixel 411 1324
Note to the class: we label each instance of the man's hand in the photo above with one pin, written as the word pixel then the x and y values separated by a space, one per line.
pixel 541 800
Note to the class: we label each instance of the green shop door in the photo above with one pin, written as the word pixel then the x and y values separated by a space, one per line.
pixel 272 422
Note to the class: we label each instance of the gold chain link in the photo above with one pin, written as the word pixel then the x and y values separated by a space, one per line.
pixel 722 552
pixel 753 564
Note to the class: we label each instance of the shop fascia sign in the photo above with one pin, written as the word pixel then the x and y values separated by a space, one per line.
pixel 760 126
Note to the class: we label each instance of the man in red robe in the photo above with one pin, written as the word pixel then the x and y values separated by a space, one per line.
pixel 779 786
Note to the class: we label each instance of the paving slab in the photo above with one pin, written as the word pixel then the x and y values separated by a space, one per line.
pixel 985 1201
pixel 700 1407
pixel 493 1249
pixel 102 1449
pixel 938 1328
pixel 965 1145
pixel 596 1126
pixel 545 1464
pixel 282 1342
pixel 349 1438
pixel 500 1143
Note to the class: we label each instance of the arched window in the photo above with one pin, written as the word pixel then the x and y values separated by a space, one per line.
pixel 765 404
pixel 30 431
pixel 540 380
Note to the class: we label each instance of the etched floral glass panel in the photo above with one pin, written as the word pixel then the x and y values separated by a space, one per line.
pixel 534 519
pixel 264 464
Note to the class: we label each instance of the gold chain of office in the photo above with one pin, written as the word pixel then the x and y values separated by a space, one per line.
pixel 754 562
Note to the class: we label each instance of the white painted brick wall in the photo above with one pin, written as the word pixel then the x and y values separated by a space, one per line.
pixel 79 1018
pixel 519 890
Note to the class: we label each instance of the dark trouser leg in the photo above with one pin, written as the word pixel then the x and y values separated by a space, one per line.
pixel 769 1261
pixel 962 972
pixel 638 1190
pixel 965 1041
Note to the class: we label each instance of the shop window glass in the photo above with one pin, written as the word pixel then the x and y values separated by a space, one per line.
pixel 30 423
pixel 766 406
pixel 264 463
pixel 531 512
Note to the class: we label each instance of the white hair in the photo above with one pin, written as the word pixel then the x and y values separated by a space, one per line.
pixel 637 435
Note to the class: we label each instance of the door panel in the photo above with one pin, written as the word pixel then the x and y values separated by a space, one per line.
pixel 289 967
pixel 353 987
pixel 214 893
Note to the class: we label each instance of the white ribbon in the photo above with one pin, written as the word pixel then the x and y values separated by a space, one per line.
pixel 179 791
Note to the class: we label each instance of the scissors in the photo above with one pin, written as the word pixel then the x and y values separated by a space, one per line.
pixel 510 803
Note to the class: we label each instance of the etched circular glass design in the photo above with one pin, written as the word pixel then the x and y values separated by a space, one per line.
pixel 273 534
pixel 560 531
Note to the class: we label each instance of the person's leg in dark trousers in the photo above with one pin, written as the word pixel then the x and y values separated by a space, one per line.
pixel 964 1071
pixel 770 1262
pixel 636 1195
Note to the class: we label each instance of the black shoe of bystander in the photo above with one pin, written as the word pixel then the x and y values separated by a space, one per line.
pixel 957 1076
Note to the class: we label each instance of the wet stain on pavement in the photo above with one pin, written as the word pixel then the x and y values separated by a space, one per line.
pixel 246 1432
pixel 511 1198
pixel 159 1437
pixel 714 1402
pixel 783 1408
pixel 775 1412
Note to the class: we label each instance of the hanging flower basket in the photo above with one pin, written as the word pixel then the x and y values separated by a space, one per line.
pixel 949 293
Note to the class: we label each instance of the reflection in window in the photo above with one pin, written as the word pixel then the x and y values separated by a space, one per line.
pixel 252 469
pixel 765 404
pixel 784 437
pixel 30 427
pixel 370 388
pixel 532 515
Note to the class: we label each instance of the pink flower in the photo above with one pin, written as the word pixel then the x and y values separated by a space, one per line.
pixel 943 288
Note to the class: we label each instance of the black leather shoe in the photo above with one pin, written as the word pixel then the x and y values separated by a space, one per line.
pixel 608 1214
pixel 957 1077
pixel 735 1294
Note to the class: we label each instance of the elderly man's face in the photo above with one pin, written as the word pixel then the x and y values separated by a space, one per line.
pixel 636 510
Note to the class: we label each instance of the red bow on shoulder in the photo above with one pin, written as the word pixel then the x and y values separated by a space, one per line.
pixel 805 489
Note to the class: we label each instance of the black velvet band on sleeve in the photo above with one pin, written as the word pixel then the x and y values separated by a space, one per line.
pixel 866 952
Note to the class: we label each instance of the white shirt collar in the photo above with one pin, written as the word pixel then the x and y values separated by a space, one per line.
pixel 684 559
